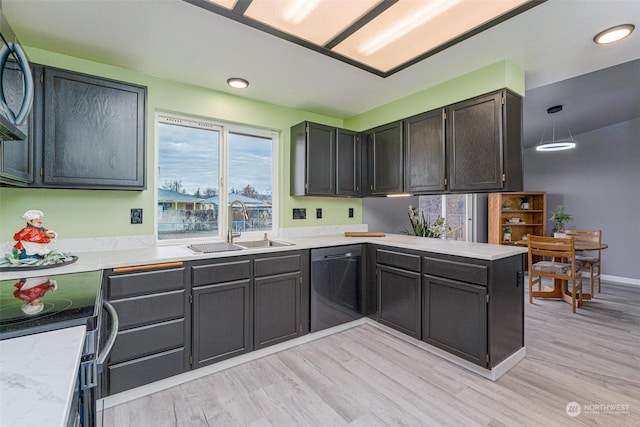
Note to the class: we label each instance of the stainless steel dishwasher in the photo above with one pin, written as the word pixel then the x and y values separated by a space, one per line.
pixel 336 286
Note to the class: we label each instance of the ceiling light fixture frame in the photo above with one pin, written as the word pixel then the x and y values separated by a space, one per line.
pixel 238 83
pixel 604 33
pixel 556 145
pixel 241 6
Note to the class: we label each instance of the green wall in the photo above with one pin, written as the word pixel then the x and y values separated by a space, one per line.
pixel 488 79
pixel 102 213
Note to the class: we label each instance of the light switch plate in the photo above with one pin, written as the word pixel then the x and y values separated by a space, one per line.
pixel 319 213
pixel 350 212
pixel 136 216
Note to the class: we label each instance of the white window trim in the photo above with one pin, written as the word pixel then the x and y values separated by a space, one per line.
pixel 225 128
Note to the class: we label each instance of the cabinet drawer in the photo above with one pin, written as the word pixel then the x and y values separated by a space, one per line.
pixel 146 282
pixel 128 375
pixel 146 340
pixel 143 310
pixel 277 265
pixel 398 259
pixel 465 272
pixel 220 272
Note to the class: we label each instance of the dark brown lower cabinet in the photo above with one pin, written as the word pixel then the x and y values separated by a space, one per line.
pixel 454 317
pixel 281 297
pixel 399 299
pixel 154 327
pixel 277 300
pixel 221 321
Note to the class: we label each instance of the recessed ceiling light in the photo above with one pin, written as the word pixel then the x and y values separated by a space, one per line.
pixel 614 34
pixel 237 83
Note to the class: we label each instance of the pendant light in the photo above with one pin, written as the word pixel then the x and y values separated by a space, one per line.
pixel 554 144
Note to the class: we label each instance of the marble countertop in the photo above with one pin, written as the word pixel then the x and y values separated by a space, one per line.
pixel 38 376
pixel 97 260
pixel 28 380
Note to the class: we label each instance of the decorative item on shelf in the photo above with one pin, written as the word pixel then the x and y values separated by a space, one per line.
pixel 524 203
pixel 514 220
pixel 507 234
pixel 506 206
pixel 421 227
pixel 560 217
pixel 32 247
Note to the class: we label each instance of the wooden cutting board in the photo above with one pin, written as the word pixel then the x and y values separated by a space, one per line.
pixel 364 234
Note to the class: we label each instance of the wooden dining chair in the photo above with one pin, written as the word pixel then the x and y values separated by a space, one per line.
pixel 591 261
pixel 558 264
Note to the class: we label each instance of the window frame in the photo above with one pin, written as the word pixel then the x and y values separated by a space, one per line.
pixel 224 128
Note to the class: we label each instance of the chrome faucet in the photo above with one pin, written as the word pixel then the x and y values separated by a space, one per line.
pixel 230 233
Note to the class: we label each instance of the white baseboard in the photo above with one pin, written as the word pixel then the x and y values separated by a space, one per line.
pixel 620 280
pixel 145 390
pixel 491 374
pixel 173 381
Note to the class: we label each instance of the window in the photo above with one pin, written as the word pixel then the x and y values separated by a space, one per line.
pixel 205 165
pixel 455 208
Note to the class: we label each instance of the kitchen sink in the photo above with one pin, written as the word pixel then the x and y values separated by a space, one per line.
pixel 206 248
pixel 263 244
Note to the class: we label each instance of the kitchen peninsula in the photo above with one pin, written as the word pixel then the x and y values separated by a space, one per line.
pixel 468 299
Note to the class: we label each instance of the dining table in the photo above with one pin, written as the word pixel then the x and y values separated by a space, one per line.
pixel 560 287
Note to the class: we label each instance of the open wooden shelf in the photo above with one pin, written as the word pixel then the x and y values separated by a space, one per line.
pixel 533 220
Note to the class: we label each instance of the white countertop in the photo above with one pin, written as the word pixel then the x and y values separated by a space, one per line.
pixel 38 372
pixel 98 260
pixel 38 377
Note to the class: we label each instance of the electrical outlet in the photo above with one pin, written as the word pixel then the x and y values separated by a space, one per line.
pixel 350 212
pixel 299 213
pixel 136 216
pixel 319 213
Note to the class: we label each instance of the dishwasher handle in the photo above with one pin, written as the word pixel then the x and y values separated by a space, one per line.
pixel 335 256
pixel 102 357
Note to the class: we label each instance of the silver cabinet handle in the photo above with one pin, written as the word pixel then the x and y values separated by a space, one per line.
pixel 102 357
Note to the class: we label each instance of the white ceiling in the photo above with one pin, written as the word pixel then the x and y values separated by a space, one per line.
pixel 176 40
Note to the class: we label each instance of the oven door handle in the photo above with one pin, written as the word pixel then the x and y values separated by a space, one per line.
pixel 102 357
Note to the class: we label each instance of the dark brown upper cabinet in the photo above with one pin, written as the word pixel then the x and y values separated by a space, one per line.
pixel 385 159
pixel 348 160
pixel 94 132
pixel 484 140
pixel 17 156
pixel 313 160
pixel 424 153
pixel 325 161
pixel 84 132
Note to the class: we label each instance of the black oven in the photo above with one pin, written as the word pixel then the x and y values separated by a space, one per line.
pixel 97 345
pixel 45 303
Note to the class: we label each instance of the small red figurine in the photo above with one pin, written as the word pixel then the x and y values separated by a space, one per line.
pixel 34 238
pixel 31 291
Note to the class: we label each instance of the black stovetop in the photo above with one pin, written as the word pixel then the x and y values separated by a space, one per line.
pixel 45 303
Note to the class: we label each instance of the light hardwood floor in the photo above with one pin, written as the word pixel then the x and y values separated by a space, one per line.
pixel 366 377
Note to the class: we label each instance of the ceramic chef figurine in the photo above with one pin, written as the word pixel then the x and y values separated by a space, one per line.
pixel 34 238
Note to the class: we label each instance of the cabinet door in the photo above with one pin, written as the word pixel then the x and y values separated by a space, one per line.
pixel 385 159
pixel 94 132
pixel 221 322
pixel 321 167
pixel 347 163
pixel 399 299
pixel 455 318
pixel 424 153
pixel 17 157
pixel 277 309
pixel 474 129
